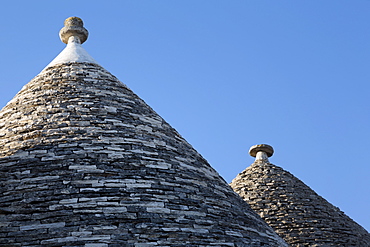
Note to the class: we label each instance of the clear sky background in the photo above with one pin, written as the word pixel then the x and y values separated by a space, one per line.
pixel 228 75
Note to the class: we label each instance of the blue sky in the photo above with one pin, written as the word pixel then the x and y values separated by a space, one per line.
pixel 228 75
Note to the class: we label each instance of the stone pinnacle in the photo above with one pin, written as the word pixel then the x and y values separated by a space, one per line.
pixel 73 27
pixel 261 152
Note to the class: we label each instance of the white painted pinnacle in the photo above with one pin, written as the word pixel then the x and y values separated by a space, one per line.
pixel 262 156
pixel 73 34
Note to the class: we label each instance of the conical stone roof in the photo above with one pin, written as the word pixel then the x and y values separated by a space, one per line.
pixel 85 162
pixel 295 211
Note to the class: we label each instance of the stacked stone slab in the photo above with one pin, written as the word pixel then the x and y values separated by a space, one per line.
pixel 85 162
pixel 295 211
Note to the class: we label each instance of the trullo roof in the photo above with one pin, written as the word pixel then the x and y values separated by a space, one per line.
pixel 295 211
pixel 85 162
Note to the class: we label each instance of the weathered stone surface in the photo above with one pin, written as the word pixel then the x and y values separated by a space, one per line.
pixel 295 211
pixel 85 162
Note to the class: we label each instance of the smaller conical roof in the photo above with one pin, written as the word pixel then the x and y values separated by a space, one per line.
pixel 296 212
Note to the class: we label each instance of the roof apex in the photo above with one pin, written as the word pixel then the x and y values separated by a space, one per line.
pixel 73 34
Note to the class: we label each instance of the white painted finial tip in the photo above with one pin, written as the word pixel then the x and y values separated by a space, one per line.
pixel 73 34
